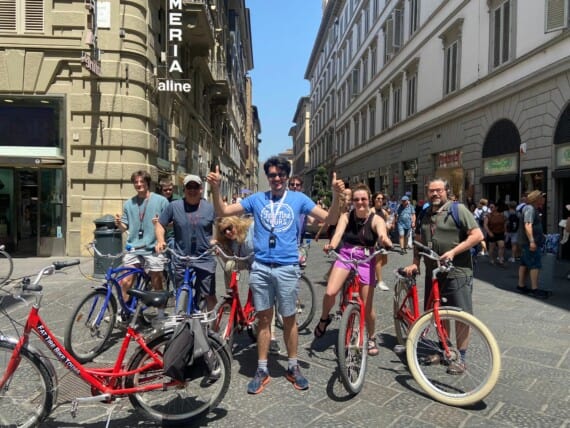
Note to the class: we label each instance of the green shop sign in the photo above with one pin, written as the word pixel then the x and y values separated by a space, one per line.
pixel 563 156
pixel 502 165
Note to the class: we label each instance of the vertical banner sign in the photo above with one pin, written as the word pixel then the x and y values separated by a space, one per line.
pixel 174 31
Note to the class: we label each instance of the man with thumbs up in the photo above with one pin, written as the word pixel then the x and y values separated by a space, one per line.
pixel 275 270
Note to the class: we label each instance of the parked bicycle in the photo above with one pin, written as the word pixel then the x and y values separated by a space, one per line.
pixel 29 385
pixel 88 331
pixel 435 333
pixel 6 265
pixel 352 346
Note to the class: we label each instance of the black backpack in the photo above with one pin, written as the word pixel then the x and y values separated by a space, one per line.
pixel 513 223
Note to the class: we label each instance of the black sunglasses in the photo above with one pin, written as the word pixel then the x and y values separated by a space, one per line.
pixel 295 185
pixel 275 175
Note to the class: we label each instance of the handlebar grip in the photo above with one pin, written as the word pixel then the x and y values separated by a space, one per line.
pixel 63 264
pixel 32 287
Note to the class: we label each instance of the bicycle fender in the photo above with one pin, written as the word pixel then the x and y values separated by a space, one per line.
pixel 45 361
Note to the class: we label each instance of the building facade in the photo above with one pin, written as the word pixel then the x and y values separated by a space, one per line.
pixel 93 90
pixel 474 91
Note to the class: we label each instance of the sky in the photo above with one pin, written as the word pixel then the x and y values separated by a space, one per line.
pixel 283 33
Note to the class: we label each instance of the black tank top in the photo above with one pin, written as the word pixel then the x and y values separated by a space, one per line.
pixel 359 232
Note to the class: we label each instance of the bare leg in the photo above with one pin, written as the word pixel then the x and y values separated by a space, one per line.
pixel 264 332
pixel 367 294
pixel 534 278
pixel 522 276
pixel 290 335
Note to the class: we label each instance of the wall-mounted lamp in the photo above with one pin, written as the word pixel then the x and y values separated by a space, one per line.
pixel 122 33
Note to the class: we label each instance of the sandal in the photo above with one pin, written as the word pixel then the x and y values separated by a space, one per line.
pixel 372 347
pixel 319 332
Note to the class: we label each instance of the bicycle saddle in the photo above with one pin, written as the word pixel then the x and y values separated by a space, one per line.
pixel 150 298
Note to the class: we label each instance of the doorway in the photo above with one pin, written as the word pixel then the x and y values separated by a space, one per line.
pixel 27 209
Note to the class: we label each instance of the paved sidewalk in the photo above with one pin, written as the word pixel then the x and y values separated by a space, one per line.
pixel 533 389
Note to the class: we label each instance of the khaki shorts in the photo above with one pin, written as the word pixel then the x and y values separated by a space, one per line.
pixel 152 262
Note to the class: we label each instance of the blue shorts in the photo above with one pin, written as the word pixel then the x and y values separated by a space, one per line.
pixel 269 283
pixel 530 259
pixel 366 271
pixel 403 231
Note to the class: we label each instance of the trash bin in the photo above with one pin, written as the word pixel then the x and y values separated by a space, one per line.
pixel 109 240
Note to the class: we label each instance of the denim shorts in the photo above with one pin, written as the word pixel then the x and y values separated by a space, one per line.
pixel 152 262
pixel 403 231
pixel 269 283
pixel 530 259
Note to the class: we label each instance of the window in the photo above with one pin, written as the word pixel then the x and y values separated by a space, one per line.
pixel 372 119
pixel 502 32
pixel 163 137
pixel 364 71
pixel 414 15
pixel 373 61
pixel 451 68
pixel 355 81
pixel 388 39
pixel 556 15
pixel 22 16
pixel 356 131
pixel 364 116
pixel 385 110
pixel 393 33
pixel 397 104
pixel 411 105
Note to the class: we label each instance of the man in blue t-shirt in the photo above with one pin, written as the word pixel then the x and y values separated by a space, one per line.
pixel 192 220
pixel 405 218
pixel 275 270
pixel 139 214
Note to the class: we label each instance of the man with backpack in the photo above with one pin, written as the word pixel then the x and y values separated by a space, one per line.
pixel 452 241
pixel 513 224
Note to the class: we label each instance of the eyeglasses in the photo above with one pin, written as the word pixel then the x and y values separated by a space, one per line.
pixel 359 199
pixel 436 190
pixel 230 228
pixel 295 185
pixel 167 190
pixel 274 175
pixel 192 187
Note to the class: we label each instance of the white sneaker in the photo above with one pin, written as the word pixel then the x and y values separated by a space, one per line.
pixel 382 286
pixel 511 259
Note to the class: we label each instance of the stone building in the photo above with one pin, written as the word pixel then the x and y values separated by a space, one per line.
pixel 92 90
pixel 475 91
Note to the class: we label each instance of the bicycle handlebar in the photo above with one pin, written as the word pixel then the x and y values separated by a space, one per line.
pixel 186 258
pixel 430 254
pixel 26 285
pixel 226 256
pixel 355 263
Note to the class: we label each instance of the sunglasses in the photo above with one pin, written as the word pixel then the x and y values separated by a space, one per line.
pixel 295 185
pixel 230 228
pixel 192 187
pixel 275 175
pixel 359 199
pixel 167 190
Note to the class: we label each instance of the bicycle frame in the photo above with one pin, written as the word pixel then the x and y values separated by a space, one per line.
pixel 105 380
pixel 243 315
pixel 351 294
pixel 188 283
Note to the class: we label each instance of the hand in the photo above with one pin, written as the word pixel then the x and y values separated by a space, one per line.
pixel 327 248
pixel 155 219
pixel 532 246
pixel 411 269
pixel 160 247
pixel 117 220
pixel 447 256
pixel 214 178
pixel 338 185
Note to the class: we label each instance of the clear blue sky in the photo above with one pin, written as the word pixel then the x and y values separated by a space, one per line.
pixel 283 33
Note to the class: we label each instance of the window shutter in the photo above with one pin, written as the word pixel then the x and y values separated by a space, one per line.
pixel 398 27
pixel 556 15
pixel 34 20
pixel 7 15
pixel 389 36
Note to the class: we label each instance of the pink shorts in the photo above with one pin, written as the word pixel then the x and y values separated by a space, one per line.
pixel 365 270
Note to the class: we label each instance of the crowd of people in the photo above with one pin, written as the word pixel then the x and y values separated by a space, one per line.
pixel 270 226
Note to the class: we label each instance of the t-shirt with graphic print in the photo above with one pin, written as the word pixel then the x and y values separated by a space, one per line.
pixel 282 216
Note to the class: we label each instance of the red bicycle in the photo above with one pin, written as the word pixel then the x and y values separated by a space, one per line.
pixel 352 351
pixel 436 334
pixel 28 382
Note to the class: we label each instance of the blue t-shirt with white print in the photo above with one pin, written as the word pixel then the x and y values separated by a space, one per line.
pixel 281 214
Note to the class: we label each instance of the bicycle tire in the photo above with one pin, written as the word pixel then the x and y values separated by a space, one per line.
pixel 6 266
pixel 305 304
pixel 401 325
pixel 177 403
pixel 27 399
pixel 352 357
pixel 83 338
pixel 224 325
pixel 483 359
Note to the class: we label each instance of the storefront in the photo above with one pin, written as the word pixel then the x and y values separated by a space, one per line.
pixel 448 166
pixel 562 184
pixel 32 184
pixel 501 179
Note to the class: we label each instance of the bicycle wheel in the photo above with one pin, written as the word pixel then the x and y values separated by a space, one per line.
pixel 178 403
pixel 403 308
pixel 6 266
pixel 483 359
pixel 305 304
pixel 352 349
pixel 27 397
pixel 224 326
pixel 88 331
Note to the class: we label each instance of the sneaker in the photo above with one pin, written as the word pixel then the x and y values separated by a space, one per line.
pixel 299 381
pixel 382 286
pixel 521 290
pixel 257 384
pixel 274 347
pixel 456 368
pixel 511 259
pixel 541 294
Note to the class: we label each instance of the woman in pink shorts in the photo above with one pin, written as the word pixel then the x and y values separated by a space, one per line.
pixel 360 230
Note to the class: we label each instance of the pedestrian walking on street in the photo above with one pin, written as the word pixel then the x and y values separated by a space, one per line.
pixel 275 270
pixel 381 260
pixel 405 219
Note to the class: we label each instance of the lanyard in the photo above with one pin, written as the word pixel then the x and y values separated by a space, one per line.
pixel 274 213
pixel 141 216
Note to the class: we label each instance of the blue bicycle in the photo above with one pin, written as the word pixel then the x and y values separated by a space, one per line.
pixel 89 329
